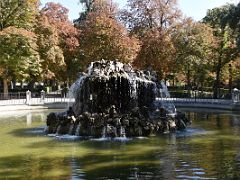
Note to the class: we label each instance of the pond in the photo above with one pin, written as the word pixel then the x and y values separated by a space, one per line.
pixel 208 149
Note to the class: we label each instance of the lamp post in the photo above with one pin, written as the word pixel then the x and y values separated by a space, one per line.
pixel 42 95
pixel 195 94
pixel 230 78
pixel 28 97
pixel 235 95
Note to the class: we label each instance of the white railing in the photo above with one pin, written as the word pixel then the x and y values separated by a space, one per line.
pixel 196 101
pixel 29 98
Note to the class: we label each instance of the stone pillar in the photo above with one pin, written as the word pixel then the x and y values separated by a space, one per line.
pixel 42 95
pixel 28 97
pixel 235 95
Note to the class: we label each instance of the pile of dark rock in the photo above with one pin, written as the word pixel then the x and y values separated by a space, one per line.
pixel 114 100
pixel 137 122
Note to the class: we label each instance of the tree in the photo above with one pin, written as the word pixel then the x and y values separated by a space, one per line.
pixel 49 49
pixel 103 37
pixel 194 43
pixel 19 56
pixel 144 15
pixel 18 13
pixel 153 21
pixel 18 48
pixel 157 52
pixel 56 16
pixel 87 4
pixel 232 19
pixel 226 49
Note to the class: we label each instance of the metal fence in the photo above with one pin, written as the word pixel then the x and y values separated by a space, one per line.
pixel 11 96
pixel 34 98
pixel 196 101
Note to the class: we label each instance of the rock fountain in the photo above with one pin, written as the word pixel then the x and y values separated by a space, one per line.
pixel 114 100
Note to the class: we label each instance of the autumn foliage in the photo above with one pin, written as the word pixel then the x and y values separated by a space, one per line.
pixel 103 37
pixel 156 52
pixel 65 44
pixel 48 41
pixel 42 44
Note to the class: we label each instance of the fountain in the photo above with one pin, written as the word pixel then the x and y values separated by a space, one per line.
pixel 114 100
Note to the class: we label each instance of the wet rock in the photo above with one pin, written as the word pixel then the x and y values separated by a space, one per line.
pixel 181 121
pixel 114 100
pixel 52 123
pixel 172 125
pixel 125 121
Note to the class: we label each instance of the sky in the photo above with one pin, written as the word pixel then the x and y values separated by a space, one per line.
pixel 192 8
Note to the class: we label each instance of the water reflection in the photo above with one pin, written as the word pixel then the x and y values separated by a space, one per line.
pixel 29 119
pixel 39 115
pixel 207 150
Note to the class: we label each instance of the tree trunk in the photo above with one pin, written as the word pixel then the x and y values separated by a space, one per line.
pixel 31 86
pixel 5 88
pixel 188 83
pixel 14 82
pixel 201 84
pixel 216 89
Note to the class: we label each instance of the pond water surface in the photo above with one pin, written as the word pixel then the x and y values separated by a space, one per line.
pixel 208 149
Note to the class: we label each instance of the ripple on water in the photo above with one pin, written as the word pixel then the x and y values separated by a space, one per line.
pixel 186 133
pixel 198 173
pixel 37 130
pixel 190 171
pixel 180 170
pixel 193 177
pixel 191 132
pixel 197 169
pixel 74 137
pixel 141 137
pixel 122 139
pixel 101 139
pixel 68 137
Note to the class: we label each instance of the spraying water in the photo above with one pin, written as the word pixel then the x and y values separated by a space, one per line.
pixel 163 101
